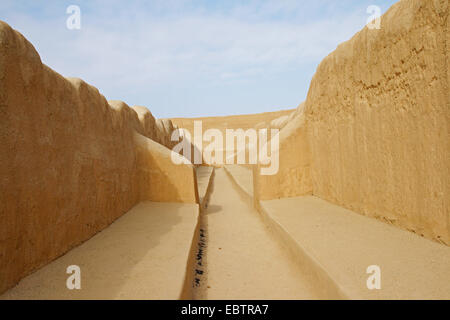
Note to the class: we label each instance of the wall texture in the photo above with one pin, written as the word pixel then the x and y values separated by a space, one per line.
pixel 294 173
pixel 378 117
pixel 70 163
pixel 376 122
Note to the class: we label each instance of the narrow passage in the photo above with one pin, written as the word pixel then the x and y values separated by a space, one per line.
pixel 241 259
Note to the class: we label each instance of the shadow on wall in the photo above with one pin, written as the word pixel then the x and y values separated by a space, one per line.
pixel 112 258
pixel 68 161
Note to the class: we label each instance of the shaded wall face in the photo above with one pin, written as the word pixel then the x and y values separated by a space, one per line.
pixel 160 179
pixel 68 162
pixel 293 177
pixel 378 119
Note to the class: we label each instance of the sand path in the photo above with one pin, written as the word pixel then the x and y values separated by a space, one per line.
pixel 243 261
pixel 142 255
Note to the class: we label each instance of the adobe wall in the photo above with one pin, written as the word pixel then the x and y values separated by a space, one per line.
pixel 376 125
pixel 69 163
pixel 378 119
pixel 294 174
pixel 245 121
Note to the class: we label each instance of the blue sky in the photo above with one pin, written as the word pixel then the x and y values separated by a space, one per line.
pixel 192 57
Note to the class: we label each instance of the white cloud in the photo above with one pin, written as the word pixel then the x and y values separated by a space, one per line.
pixel 127 48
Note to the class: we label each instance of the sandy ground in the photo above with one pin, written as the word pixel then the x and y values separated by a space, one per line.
pixel 142 255
pixel 243 261
pixel 345 244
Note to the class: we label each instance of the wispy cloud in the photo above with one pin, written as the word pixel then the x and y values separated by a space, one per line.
pixel 143 51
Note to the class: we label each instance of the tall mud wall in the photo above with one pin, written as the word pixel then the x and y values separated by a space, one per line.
pixel 376 122
pixel 378 117
pixel 70 162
